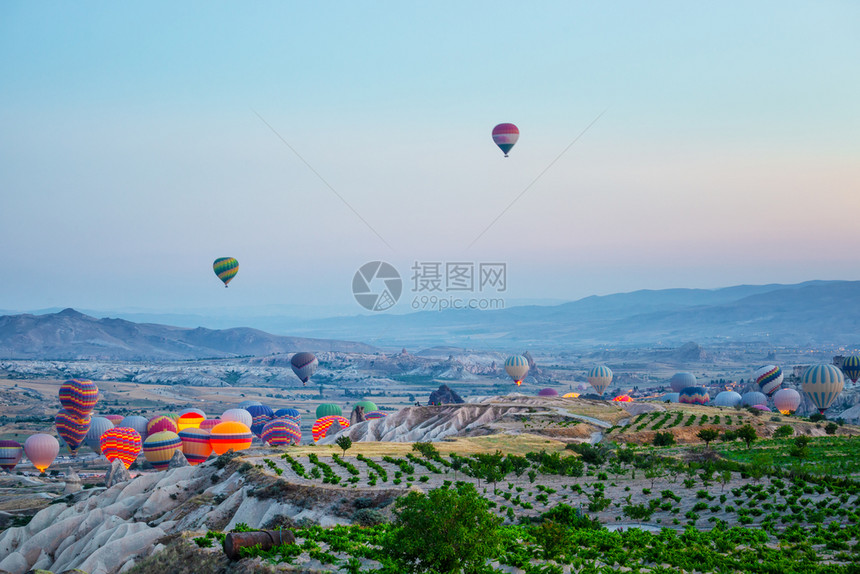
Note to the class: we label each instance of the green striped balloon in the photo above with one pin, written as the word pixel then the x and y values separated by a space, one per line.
pixel 226 268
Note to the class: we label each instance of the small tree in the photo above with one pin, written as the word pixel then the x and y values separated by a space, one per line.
pixel 664 439
pixel 747 434
pixel 831 428
pixel 784 431
pixel 708 435
pixel 798 449
pixel 729 436
pixel 344 442
pixel 426 449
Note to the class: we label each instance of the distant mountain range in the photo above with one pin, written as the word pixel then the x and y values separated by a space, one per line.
pixel 70 335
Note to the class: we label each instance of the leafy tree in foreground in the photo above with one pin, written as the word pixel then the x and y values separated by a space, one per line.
pixel 448 530
pixel 708 435
pixel 426 449
pixel 344 442
pixel 784 431
pixel 747 434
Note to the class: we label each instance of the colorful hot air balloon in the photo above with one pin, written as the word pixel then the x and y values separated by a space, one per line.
pixel 239 416
pixel 137 423
pixel 328 409
pixel 10 454
pixel 79 396
pixel 768 379
pixel 281 432
pixel 289 414
pixel 321 427
pixel 623 399
pixel 375 415
pixel 41 449
pixel 160 423
pixel 569 395
pixel 505 136
pixel 753 398
pixel 225 268
pixel 230 435
pixel 98 426
pixel 694 396
pixel 115 419
pixel 195 445
pixel 822 384
pixel 851 367
pixel 209 424
pixel 72 429
pixel 159 448
pixel 786 401
pixel 190 420
pixel 121 443
pixel 681 381
pixel 517 367
pixel 729 399
pixel 600 377
pixel 547 392
pixel 304 366
pixel 260 415
pixel 195 410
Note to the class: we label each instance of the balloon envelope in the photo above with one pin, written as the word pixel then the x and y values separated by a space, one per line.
pixel 260 415
pixel 137 423
pixel 115 419
pixel 289 414
pixel 369 406
pixel 230 435
pixel 10 454
pixel 851 367
pixel 569 395
pixel 209 424
pixel 822 384
pixel 727 399
pixel 786 401
pixel 623 399
pixel 600 377
pixel 694 396
pixel 753 398
pixel 98 426
pixel 281 432
pixel 195 445
pixel 547 392
pixel 505 136
pixel 159 448
pixel 189 420
pixel 159 424
pixel 72 428
pixel 121 443
pixel 321 427
pixel 768 379
pixel 304 365
pixel 79 396
pixel 41 449
pixel 375 415
pixel 249 403
pixel 517 367
pixel 239 416
pixel 225 268
pixel 681 381
pixel 328 409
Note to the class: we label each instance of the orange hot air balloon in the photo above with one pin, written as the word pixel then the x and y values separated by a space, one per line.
pixel 189 420
pixel 79 396
pixel 195 445
pixel 321 426
pixel 159 424
pixel 159 448
pixel 121 443
pixel 41 449
pixel 230 435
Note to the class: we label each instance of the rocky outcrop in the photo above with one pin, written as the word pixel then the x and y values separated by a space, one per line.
pixel 357 415
pixel 444 395
pixel 178 460
pixel 116 474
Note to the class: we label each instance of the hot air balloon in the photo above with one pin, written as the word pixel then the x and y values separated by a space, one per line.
pixel 230 435
pixel 569 395
pixel 729 399
pixel 623 399
pixel 72 429
pixel 368 406
pixel 260 415
pixel 517 367
pixel 190 420
pixel 753 398
pixel 160 423
pixel 281 432
pixel 10 454
pixel 209 424
pixel 41 449
pixel 670 398
pixel 375 415
pixel 321 427
pixel 98 426
pixel 681 381
pixel 694 396
pixel 195 445
pixel 79 396
pixel 851 367
pixel 547 392
pixel 786 401
pixel 137 423
pixel 822 384
pixel 239 416
pixel 304 366
pixel 600 377
pixel 289 414
pixel 763 408
pixel 505 136
pixel 193 410
pixel 225 268
pixel 768 379
pixel 158 448
pixel 115 419
pixel 249 403
pixel 122 444
pixel 328 409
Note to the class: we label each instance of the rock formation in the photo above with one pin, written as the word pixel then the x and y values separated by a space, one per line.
pixel 178 460
pixel 445 396
pixel 118 473
pixel 357 415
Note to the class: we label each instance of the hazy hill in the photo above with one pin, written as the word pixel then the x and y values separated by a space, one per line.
pixel 73 335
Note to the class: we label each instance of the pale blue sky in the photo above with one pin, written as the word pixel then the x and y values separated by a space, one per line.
pixel 131 155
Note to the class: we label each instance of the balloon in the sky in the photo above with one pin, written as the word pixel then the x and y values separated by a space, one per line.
pixel 681 381
pixel 727 399
pixel 226 268
pixel 159 448
pixel 79 396
pixel 281 432
pixel 822 384
pixel 505 136
pixel 41 449
pixel 328 409
pixel 322 426
pixel 137 423
pixel 600 377
pixel 239 416
pixel 517 367
pixel 768 379
pixel 230 435
pixel 72 429
pixel 195 445
pixel 851 367
pixel 122 444
pixel 10 454
pixel 304 366
pixel 694 396
pixel 159 424
pixel 98 426
pixel 260 415
pixel 375 415
pixel 786 401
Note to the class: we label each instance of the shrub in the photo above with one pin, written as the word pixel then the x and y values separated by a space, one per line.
pixel 784 431
pixel 369 517
pixel 664 439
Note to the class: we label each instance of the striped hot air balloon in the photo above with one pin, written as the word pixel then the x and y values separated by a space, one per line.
pixel 10 454
pixel 189 420
pixel 281 432
pixel 304 366
pixel 505 136
pixel 199 412
pixel 375 415
pixel 851 367
pixel 321 426
pixel 137 423
pixel 729 399
pixel 121 443
pixel 79 396
pixel 225 268
pixel 248 403
pixel 98 426
pixel 694 396
pixel 210 424
pixel 289 414
pixel 41 449
pixel 822 384
pixel 72 429
pixel 623 399
pixel 600 377
pixel 239 416
pixel 161 423
pixel 786 401
pixel 230 435
pixel 517 367
pixel 195 445
pixel 260 415
pixel 768 379
pixel 159 448
pixel 115 419
pixel 681 381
